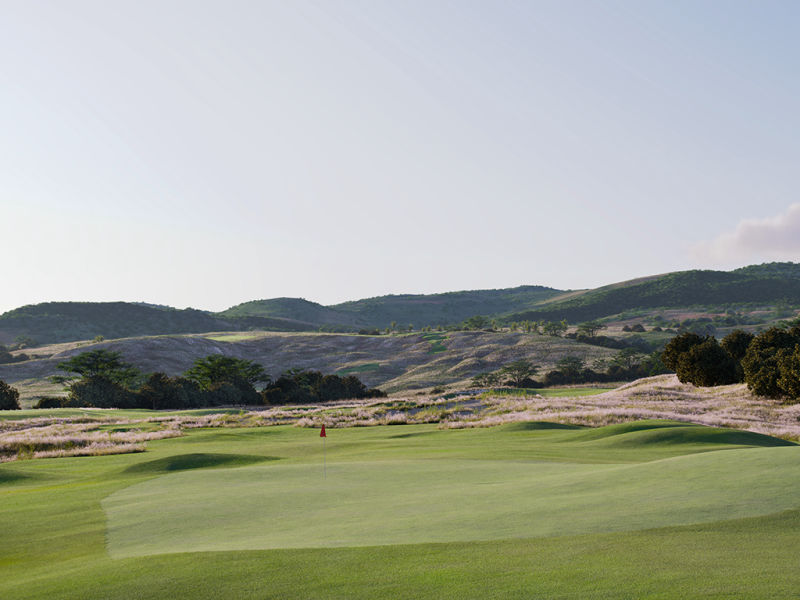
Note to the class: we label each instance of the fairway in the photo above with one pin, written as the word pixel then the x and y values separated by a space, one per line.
pixel 651 509
pixel 412 502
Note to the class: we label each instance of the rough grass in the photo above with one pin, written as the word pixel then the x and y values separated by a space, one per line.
pixel 552 482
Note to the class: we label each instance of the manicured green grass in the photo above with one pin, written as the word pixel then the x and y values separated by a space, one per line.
pixel 527 510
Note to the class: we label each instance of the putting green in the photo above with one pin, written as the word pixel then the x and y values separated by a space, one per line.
pixel 275 505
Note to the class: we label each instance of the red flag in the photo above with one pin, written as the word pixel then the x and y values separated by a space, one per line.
pixel 322 433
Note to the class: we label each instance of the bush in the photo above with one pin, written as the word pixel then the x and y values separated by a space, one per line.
pixel 100 392
pixel 9 397
pixel 706 364
pixel 50 402
pixel 763 360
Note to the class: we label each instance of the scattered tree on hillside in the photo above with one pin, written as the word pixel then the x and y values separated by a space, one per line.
pixel 9 397
pixel 554 328
pixel 590 328
pixel 486 379
pixel 571 366
pixel 518 371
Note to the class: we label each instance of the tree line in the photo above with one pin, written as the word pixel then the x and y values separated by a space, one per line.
pixel 769 363
pixel 101 379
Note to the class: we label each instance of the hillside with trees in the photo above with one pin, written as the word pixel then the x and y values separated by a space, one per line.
pixel 769 285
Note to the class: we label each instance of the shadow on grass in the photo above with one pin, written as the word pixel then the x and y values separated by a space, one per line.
pixel 184 462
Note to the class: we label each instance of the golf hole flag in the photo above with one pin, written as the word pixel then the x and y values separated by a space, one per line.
pixel 324 461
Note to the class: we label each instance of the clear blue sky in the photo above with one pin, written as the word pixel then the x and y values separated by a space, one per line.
pixel 202 154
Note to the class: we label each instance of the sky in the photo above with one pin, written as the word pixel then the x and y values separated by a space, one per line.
pixel 203 154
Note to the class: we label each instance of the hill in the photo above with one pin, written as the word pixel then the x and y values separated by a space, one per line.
pixel 769 284
pixel 52 322
pixel 299 310
pixel 444 309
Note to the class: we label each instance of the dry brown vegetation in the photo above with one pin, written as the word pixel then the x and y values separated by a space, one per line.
pixel 661 397
pixel 391 362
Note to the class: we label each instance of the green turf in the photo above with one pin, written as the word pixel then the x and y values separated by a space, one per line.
pixel 647 510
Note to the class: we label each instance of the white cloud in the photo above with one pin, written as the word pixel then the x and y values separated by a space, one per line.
pixel 754 240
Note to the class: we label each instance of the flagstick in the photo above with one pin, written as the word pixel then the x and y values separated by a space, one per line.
pixel 324 461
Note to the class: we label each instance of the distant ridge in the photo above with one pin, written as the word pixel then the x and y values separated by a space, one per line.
pixel 767 284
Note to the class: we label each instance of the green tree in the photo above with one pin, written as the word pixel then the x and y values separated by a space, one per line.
pixel 518 371
pixel 736 344
pixel 9 397
pixel 761 362
pixel 627 358
pixel 706 364
pixel 554 328
pixel 486 379
pixel 216 368
pixel 590 328
pixel 677 346
pixel 571 366
pixel 97 363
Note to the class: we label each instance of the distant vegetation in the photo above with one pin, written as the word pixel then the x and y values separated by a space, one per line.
pixel 768 362
pixel 101 379
pixel 775 286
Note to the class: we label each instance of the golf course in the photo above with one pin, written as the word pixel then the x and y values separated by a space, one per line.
pixel 648 509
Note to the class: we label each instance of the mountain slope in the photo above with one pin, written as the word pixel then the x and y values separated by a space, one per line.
pixel 768 284
pixel 446 308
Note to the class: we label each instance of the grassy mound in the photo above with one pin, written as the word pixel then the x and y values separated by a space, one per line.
pixel 185 462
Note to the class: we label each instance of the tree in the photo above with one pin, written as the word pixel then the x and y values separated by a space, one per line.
pixel 9 397
pixel 590 328
pixel 97 363
pixel 762 361
pixel 162 392
pixel 217 368
pixel 98 391
pixel 736 344
pixel 627 358
pixel 554 328
pixel 706 364
pixel 477 322
pixel 570 366
pixel 518 371
pixel 486 379
pixel 677 346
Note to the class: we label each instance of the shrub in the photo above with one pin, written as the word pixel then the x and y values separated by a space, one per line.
pixel 99 391
pixel 762 362
pixel 706 364
pixel 50 402
pixel 9 397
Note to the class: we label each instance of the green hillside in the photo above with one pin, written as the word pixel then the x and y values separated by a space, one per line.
pixel 768 284
pixel 295 309
pixel 443 309
pixel 764 285
pixel 53 322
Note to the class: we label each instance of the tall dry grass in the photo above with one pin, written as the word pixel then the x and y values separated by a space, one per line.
pixel 661 397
